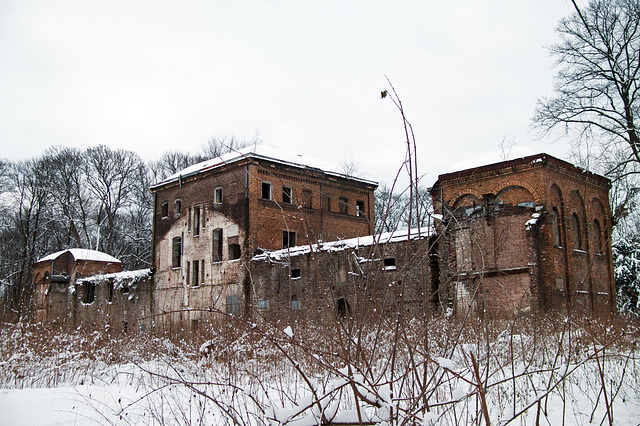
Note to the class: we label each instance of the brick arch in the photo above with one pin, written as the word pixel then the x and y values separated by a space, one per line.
pixel 577 213
pixel 463 193
pixel 514 194
pixel 555 195
pixel 536 197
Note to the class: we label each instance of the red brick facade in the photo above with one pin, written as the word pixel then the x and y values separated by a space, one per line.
pixel 532 233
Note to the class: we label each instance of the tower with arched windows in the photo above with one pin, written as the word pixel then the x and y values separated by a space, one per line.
pixel 530 233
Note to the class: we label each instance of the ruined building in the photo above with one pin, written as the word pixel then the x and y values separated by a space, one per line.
pixel 263 233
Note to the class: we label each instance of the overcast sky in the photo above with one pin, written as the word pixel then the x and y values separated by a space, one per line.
pixel 153 76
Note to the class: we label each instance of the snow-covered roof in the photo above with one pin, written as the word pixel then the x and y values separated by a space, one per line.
pixel 119 277
pixel 82 254
pixel 351 243
pixel 264 153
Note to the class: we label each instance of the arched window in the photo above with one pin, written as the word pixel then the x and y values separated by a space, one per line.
pixel 597 236
pixel 555 226
pixel 575 227
pixel 217 245
pixel 343 308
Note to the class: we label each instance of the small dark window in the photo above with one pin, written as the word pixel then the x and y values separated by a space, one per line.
pixel 177 207
pixel 232 305
pixel 265 191
pixel 287 194
pixel 203 217
pixel 202 271
pixel 188 274
pixel 217 195
pixel 165 209
pixel 196 221
pixel 390 263
pixel 110 291
pixel 234 251
pixel 295 303
pixel 344 205
pixel 124 290
pixel 217 245
pixel 176 252
pixel 89 292
pixel 360 209
pixel 189 220
pixel 194 325
pixel 343 307
pixel 555 226
pixel 196 273
pixel 295 273
pixel 288 239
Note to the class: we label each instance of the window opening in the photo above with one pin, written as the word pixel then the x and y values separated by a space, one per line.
pixel 343 307
pixel 177 207
pixel 597 236
pixel 189 220
pixel 194 325
pixel 89 292
pixel 555 226
pixel 110 291
pixel 196 273
pixel 234 251
pixel 203 217
pixel 295 303
pixel 344 205
pixel 389 263
pixel 176 252
pixel 307 198
pixel 202 271
pixel 295 273
pixel 263 304
pixel 196 221
pixel 165 209
pixel 360 208
pixel 217 195
pixel 265 191
pixel 288 239
pixel 575 226
pixel 217 245
pixel 232 305
pixel 287 194
pixel 188 274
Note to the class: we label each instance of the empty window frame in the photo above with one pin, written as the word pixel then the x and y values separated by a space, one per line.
pixel 389 263
pixel 203 217
pixel 232 305
pixel 217 245
pixel 196 221
pixel 164 209
pixel 288 239
pixel 176 252
pixel 295 303
pixel 234 251
pixel 188 273
pixel 265 190
pixel 287 194
pixel 110 291
pixel 89 292
pixel 202 271
pixel 295 273
pixel 343 308
pixel 575 227
pixel 196 274
pixel 360 208
pixel 189 220
pixel 217 195
pixel 344 205
pixel 177 207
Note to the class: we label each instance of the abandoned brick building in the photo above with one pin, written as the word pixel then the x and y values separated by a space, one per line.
pixel 265 233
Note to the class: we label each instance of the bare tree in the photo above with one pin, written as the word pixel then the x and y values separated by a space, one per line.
pixel 597 90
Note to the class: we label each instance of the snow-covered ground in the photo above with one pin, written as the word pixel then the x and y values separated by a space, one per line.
pixel 259 375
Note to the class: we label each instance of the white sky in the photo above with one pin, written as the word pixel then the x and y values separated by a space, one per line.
pixel 153 76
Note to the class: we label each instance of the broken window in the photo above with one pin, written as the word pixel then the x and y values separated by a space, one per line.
pixel 217 195
pixel 234 251
pixel 196 274
pixel 344 205
pixel 196 221
pixel 288 239
pixel 575 227
pixel 165 209
pixel 232 305
pixel 360 209
pixel 176 252
pixel 295 273
pixel 287 194
pixel 217 245
pixel 89 292
pixel 177 207
pixel 295 303
pixel 265 191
